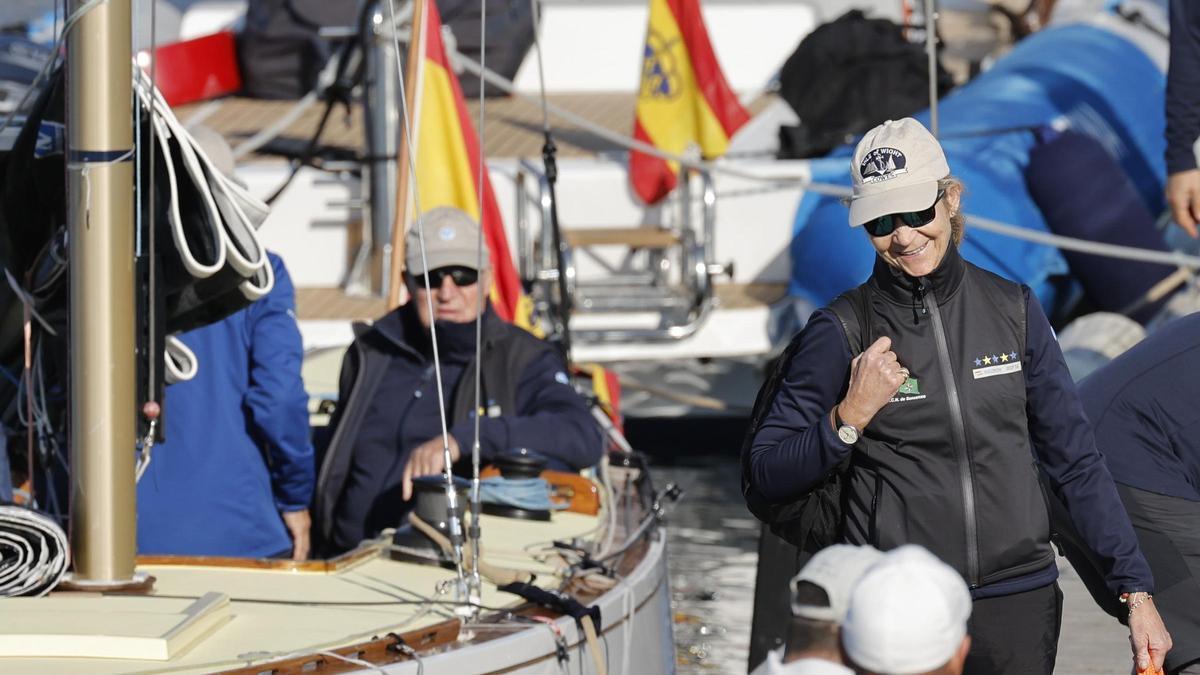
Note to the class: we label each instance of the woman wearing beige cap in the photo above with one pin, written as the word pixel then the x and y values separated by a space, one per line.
pixel 952 394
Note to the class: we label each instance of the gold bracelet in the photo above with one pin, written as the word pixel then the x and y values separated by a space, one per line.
pixel 1135 599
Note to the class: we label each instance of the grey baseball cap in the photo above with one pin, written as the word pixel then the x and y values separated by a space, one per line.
pixel 451 239
pixel 896 169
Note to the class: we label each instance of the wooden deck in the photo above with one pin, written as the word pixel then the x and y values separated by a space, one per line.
pixel 512 126
pixel 334 304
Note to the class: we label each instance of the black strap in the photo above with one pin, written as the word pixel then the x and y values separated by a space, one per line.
pixel 555 600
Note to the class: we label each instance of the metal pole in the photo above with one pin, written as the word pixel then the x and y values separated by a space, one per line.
pixel 100 209
pixel 382 130
pixel 931 51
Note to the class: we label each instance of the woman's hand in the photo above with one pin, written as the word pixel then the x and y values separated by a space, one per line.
pixel 875 375
pixel 1148 636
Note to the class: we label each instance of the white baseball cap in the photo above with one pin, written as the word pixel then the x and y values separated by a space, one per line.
pixel 834 570
pixel 896 169
pixel 908 614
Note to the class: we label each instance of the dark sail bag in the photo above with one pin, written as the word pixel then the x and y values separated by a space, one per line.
pixel 813 521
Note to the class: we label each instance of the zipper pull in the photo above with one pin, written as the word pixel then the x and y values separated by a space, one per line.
pixel 921 292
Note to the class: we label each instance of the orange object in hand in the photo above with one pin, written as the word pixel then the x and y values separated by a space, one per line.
pixel 1150 670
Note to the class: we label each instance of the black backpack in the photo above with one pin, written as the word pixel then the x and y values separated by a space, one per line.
pixel 848 76
pixel 813 521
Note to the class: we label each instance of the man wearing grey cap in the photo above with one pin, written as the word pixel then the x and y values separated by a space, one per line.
pixel 958 388
pixel 820 599
pixel 387 427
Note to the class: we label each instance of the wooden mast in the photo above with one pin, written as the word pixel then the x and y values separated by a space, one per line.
pixel 404 199
pixel 100 217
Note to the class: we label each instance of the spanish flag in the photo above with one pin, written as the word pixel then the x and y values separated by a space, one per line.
pixel 683 99
pixel 447 158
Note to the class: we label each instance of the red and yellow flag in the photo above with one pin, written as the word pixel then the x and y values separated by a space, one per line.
pixel 683 99
pixel 447 166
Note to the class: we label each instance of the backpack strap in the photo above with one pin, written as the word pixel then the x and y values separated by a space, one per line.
pixel 853 309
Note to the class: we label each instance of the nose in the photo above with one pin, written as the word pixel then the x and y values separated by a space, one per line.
pixel 903 236
pixel 447 289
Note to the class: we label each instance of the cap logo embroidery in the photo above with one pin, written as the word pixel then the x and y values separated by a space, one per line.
pixel 446 233
pixel 882 164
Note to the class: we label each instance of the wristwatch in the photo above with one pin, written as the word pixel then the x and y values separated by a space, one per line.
pixel 848 433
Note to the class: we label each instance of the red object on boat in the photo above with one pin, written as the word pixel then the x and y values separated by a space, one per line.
pixel 196 70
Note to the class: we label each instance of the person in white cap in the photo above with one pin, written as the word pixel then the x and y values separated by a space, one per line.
pixel 934 423
pixel 387 430
pixel 908 615
pixel 820 598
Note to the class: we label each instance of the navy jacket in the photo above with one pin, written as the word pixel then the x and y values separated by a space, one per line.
pixel 796 446
pixel 387 405
pixel 237 448
pixel 1145 406
pixel 1183 86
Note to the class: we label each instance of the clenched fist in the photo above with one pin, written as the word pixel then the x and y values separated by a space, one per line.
pixel 875 375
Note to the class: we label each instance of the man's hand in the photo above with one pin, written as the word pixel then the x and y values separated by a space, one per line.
pixel 875 375
pixel 298 524
pixel 427 459
pixel 1183 195
pixel 1148 636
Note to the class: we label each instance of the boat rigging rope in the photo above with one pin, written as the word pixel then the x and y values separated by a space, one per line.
pixel 805 182
pixel 456 534
pixel 551 170
pixel 475 586
pixel 34 551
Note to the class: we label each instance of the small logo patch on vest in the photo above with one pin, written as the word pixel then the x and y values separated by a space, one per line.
pixel 989 365
pixel 909 391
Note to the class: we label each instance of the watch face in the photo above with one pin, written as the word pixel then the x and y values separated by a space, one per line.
pixel 848 434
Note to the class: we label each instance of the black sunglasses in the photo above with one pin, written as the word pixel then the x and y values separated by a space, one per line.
pixel 885 225
pixel 461 276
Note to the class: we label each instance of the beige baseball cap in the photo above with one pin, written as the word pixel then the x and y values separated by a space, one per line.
pixel 451 239
pixel 896 169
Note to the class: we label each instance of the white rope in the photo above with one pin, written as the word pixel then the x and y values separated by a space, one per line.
pixel 1173 258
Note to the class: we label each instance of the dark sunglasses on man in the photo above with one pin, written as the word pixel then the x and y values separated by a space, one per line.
pixel 461 276
pixel 885 225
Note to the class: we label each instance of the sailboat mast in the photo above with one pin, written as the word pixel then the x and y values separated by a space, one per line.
pixel 100 219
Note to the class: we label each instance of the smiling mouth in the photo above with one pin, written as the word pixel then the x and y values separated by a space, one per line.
pixel 909 254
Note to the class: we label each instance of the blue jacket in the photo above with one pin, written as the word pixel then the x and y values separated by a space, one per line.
pixel 237 449
pixel 1145 406
pixel 1183 86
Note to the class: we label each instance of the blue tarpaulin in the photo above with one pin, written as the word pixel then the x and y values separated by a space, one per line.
pixel 1079 76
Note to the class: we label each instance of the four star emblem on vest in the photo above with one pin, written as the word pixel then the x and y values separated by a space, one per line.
pixel 989 359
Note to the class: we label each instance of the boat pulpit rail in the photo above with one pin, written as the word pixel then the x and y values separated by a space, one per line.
pixel 659 273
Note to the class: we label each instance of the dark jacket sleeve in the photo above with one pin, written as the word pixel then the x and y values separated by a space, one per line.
pixel 551 419
pixel 1066 448
pixel 1183 86
pixel 796 446
pixel 276 401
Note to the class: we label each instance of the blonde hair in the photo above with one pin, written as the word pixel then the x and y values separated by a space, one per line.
pixel 958 222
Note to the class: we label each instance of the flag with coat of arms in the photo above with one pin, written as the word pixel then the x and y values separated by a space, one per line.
pixel 683 99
